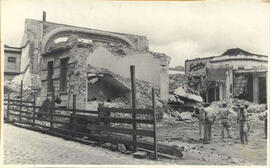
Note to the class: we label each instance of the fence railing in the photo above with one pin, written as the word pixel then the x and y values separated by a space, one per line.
pixel 96 125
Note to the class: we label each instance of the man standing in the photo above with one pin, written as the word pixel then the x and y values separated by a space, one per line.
pixel 209 121
pixel 265 122
pixel 264 118
pixel 224 121
pixel 201 121
pixel 243 125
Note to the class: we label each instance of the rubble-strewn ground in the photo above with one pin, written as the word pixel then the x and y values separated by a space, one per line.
pixel 218 151
pixel 23 146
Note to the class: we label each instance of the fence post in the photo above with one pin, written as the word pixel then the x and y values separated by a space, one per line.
pixel 133 91
pixel 34 109
pixel 21 92
pixel 154 126
pixel 73 114
pixel 99 124
pixel 52 110
pixel 8 107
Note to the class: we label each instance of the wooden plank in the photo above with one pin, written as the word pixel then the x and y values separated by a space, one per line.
pixel 90 118
pixel 86 111
pixel 25 105
pixel 122 130
pixel 126 120
pixel 55 115
pixel 53 106
pixel 8 108
pixel 21 99
pixel 126 141
pixel 63 109
pixel 34 109
pixel 39 119
pixel 74 113
pixel 133 103
pixel 130 111
pixel 169 150
pixel 21 111
pixel 154 125
pixel 14 100
pixel 34 124
pixel 125 131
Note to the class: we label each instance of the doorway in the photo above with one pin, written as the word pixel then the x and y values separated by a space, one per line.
pixel 213 94
pixel 262 90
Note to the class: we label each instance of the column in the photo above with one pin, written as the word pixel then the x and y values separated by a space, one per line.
pixel 255 88
pixel 164 84
pixel 227 85
pixel 221 91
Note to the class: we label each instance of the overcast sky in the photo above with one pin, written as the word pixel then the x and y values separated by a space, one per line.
pixel 182 30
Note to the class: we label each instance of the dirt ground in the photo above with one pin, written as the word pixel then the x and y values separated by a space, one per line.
pixel 218 151
pixel 23 146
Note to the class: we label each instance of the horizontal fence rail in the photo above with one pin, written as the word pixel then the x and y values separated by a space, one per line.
pixel 95 125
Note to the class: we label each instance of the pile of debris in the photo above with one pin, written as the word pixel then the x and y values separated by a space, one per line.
pixel 176 80
pixel 254 110
pixel 184 94
pixel 143 92
pixel 182 98
pixel 14 91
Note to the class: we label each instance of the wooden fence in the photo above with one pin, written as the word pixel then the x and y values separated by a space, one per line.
pixel 114 125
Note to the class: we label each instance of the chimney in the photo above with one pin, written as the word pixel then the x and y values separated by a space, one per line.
pixel 44 16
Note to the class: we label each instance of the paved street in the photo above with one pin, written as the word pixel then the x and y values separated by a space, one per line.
pixel 22 146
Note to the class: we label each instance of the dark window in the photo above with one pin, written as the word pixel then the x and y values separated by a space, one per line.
pixel 63 73
pixel 12 59
pixel 49 77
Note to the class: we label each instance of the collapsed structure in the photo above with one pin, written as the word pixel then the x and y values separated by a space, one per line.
pixel 234 74
pixel 64 58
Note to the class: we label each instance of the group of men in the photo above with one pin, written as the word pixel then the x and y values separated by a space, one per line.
pixel 207 118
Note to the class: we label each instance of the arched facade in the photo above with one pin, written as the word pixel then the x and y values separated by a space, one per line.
pixel 84 34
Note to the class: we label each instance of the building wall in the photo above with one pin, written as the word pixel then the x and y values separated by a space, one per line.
pixel 12 66
pixel 12 60
pixel 197 66
pixel 247 64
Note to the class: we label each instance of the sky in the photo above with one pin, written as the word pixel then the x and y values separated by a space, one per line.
pixel 182 30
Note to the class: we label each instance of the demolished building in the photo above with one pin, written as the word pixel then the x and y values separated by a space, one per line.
pixel 234 74
pixel 62 57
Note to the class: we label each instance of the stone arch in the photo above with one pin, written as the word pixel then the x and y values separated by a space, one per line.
pixel 108 35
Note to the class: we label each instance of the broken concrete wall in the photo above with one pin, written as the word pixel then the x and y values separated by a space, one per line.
pixel 114 51
pixel 147 68
pixel 35 31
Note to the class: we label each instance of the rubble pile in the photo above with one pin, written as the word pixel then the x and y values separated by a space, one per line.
pixel 143 92
pixel 14 90
pixel 254 110
pixel 176 80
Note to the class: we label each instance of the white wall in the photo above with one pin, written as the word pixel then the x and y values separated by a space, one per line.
pixel 12 66
pixel 146 67
pixel 247 64
pixel 25 57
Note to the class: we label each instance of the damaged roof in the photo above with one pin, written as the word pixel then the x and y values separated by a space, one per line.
pixel 239 51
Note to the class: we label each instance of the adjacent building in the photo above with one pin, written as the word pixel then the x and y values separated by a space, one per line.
pixel 12 61
pixel 236 73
